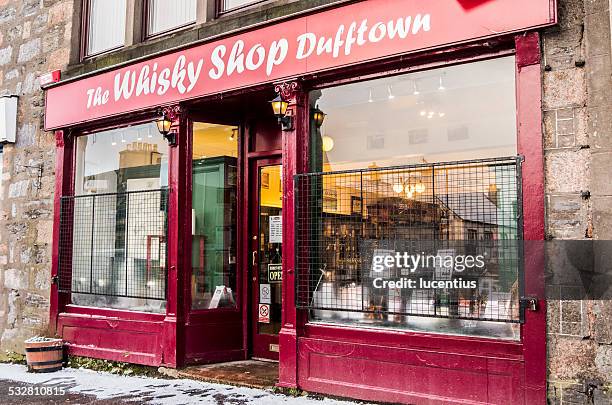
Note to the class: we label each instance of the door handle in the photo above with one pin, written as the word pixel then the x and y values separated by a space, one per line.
pixel 254 255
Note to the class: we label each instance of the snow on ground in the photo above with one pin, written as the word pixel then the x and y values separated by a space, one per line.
pixel 153 390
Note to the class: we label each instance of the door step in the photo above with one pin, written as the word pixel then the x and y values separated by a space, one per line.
pixel 248 373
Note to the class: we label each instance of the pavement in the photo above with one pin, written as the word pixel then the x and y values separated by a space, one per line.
pixel 80 386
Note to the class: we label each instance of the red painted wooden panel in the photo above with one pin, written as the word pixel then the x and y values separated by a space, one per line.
pixel 385 373
pixel 112 339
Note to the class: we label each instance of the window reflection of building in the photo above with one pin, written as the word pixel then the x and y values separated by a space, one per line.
pixel 119 236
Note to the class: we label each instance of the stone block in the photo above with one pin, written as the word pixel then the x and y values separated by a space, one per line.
pixel 567 216
pixel 599 81
pixel 7 14
pixel 18 189
pixel 597 34
pixel 563 47
pixel 600 127
pixel 15 279
pixel 29 50
pixel 601 167
pixel 5 55
pixel 60 12
pixel 567 171
pixel 603 361
pixel 570 357
pixel 564 88
pixel 601 327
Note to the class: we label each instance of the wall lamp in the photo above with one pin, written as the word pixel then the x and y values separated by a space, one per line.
pixel 164 126
pixel 279 107
pixel 318 116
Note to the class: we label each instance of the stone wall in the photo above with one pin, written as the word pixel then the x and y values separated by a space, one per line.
pixel 577 106
pixel 34 39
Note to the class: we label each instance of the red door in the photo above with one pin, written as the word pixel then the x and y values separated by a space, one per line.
pixel 265 240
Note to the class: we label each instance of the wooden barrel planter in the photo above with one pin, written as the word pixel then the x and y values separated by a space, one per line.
pixel 44 355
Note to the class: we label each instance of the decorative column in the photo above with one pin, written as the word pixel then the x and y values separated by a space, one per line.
pixel 173 330
pixel 64 144
pixel 295 160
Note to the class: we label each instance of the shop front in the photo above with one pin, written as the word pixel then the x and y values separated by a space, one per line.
pixel 285 193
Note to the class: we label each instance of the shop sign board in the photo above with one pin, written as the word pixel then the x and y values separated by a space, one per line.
pixel 328 39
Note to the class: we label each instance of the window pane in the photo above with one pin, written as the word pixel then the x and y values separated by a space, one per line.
pixel 167 14
pixel 230 4
pixel 455 113
pixel 119 240
pixel 106 25
pixel 213 248
pixel 464 112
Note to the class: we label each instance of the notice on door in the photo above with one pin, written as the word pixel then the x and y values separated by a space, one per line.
pixel 275 273
pixel 264 313
pixel 276 229
pixel 265 294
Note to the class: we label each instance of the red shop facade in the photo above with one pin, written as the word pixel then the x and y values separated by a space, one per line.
pixel 193 225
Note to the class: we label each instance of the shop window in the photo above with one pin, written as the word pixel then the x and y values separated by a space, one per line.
pixel 166 15
pixel 105 25
pixel 423 164
pixel 214 213
pixel 113 230
pixel 228 5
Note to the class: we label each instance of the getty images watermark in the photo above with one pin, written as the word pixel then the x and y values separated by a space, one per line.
pixel 447 268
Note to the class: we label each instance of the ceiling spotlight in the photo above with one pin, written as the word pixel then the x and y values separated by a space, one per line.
pixel 416 91
pixel 441 86
pixel 391 96
pixel 441 114
pixel 423 113
pixel 370 100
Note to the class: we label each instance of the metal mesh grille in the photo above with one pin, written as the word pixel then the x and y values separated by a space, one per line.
pixel 114 244
pixel 346 221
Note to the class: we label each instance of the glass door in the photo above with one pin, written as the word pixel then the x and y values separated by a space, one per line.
pixel 266 257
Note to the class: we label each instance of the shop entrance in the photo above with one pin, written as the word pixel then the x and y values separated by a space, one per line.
pixel 265 244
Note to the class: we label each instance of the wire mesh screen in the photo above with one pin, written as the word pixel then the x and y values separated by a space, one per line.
pixel 438 240
pixel 114 244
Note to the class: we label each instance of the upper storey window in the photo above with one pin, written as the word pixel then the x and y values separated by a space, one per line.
pixel 105 25
pixel 166 15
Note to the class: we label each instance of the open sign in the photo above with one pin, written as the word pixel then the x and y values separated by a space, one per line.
pixel 275 273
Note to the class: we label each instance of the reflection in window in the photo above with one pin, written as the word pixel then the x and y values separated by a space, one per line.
pixel 165 15
pixel 105 25
pixel 119 239
pixel 213 247
pixel 450 114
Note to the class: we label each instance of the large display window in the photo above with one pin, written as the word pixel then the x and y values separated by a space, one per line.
pixel 118 221
pixel 420 163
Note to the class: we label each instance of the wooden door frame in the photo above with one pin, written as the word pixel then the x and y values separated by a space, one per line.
pixel 255 163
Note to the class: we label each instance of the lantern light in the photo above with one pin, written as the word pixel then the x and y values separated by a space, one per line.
pixel 279 108
pixel 164 126
pixel 318 116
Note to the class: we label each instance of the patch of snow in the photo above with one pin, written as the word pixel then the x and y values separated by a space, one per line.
pixel 154 390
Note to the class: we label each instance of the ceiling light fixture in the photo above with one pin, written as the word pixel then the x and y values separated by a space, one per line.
pixel 441 86
pixel 416 91
pixel 370 100
pixel 391 96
